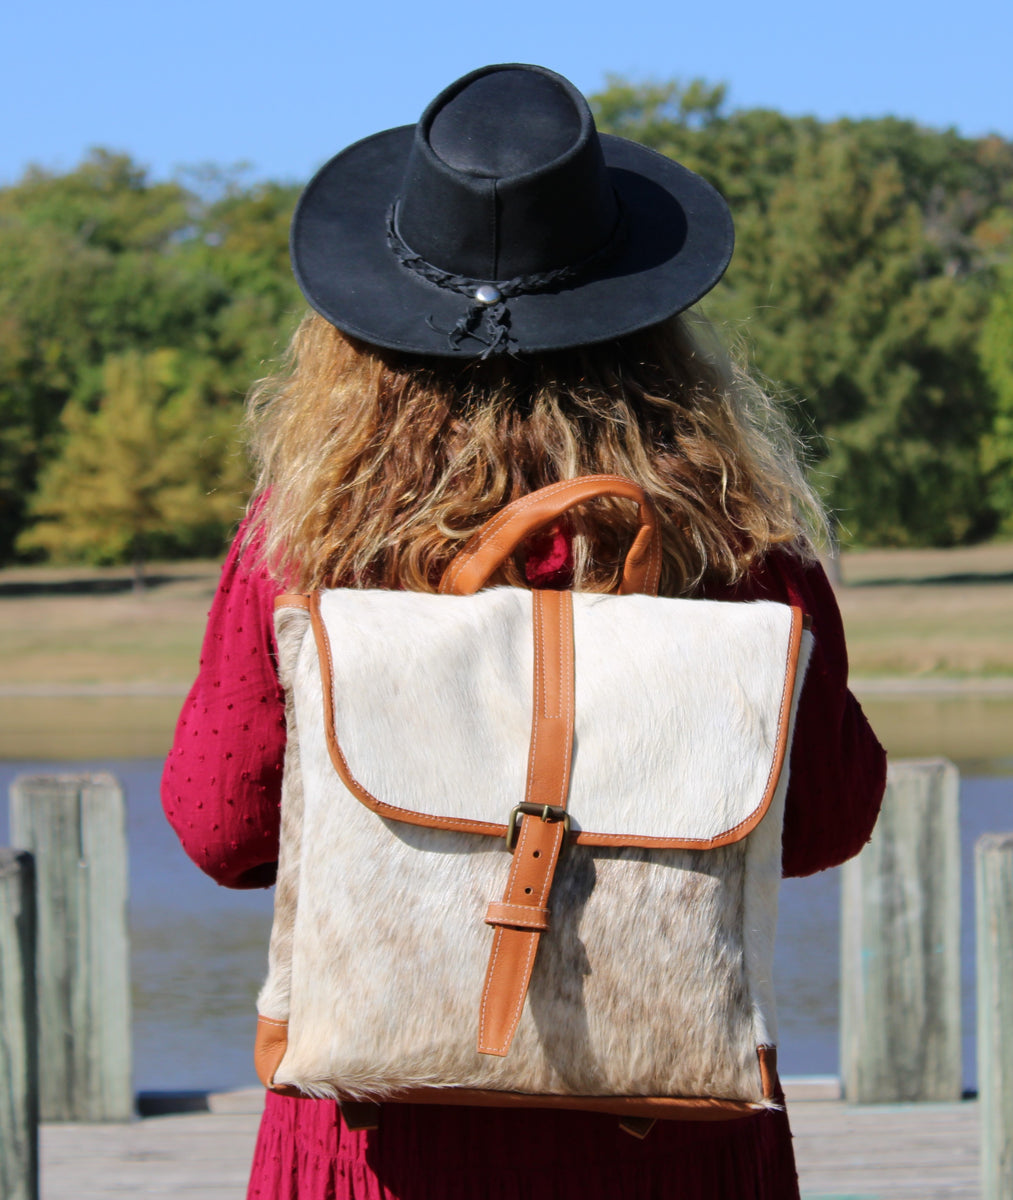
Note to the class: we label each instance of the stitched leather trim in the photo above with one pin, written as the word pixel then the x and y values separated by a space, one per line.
pixel 292 600
pixel 672 1108
pixel 584 837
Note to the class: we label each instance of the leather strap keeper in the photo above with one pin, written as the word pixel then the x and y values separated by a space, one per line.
pixel 517 915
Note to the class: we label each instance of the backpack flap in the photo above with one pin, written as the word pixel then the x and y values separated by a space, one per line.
pixel 682 710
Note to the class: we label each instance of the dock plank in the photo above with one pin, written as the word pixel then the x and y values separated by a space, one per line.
pixel 887 1152
pixel 204 1155
pixel 844 1152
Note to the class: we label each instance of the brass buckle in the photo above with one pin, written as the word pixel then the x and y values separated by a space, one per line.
pixel 548 812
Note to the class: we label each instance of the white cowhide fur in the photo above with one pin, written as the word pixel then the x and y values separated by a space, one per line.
pixel 654 977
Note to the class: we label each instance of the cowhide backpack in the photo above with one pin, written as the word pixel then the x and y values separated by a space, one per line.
pixel 531 840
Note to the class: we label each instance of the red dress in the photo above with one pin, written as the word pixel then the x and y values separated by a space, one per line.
pixel 221 791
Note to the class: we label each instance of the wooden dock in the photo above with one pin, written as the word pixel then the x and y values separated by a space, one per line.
pixel 192 1155
pixel 886 1151
pixel 876 1152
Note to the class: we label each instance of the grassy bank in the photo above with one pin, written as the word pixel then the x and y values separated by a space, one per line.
pixel 918 614
pixel 91 670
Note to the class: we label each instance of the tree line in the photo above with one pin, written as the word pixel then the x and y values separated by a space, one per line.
pixel 872 283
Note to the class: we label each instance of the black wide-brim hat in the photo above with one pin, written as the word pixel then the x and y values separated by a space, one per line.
pixel 503 222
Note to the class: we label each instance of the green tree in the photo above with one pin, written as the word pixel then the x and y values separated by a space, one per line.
pixel 862 271
pixel 88 267
pixel 102 261
pixel 145 468
pixel 997 360
pixel 853 313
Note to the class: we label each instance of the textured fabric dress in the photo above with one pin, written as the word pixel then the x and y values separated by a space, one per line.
pixel 221 791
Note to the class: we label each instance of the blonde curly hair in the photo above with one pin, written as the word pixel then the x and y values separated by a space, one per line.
pixel 374 468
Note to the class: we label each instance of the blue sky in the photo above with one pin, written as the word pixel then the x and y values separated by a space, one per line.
pixel 222 81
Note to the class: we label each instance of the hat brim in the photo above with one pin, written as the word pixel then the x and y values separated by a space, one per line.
pixel 676 244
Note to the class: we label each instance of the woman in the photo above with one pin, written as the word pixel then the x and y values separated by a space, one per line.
pixel 496 295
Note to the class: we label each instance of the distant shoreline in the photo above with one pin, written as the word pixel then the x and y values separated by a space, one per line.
pixel 91 671
pixel 932 685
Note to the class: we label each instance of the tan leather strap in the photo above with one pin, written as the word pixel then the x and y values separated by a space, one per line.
pixel 515 941
pixel 499 537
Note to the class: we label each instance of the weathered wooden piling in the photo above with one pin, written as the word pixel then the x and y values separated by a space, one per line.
pixel 993 886
pixel 19 1079
pixel 74 825
pixel 900 945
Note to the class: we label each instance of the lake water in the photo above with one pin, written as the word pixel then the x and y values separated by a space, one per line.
pixel 199 951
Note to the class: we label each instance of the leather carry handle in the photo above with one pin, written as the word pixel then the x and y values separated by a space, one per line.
pixel 487 550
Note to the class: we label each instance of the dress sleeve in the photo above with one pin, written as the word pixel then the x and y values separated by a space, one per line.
pixel 838 767
pixel 221 786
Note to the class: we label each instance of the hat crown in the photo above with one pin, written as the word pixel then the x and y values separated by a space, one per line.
pixel 470 133
pixel 506 177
